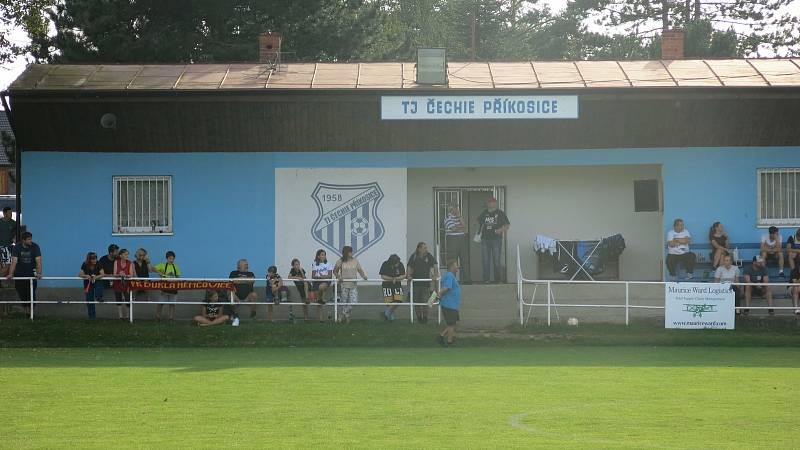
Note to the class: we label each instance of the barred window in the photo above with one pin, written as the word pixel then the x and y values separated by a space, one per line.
pixel 142 204
pixel 779 197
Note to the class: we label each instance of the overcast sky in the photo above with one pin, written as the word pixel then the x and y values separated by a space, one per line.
pixel 9 72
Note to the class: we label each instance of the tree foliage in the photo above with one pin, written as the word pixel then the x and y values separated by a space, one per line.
pixel 343 30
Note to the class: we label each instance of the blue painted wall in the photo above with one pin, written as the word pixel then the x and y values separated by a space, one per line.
pixel 224 202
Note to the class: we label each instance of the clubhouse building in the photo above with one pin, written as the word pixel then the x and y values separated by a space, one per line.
pixel 269 163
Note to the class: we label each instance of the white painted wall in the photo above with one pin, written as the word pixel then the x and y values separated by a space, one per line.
pixel 561 202
pixel 296 212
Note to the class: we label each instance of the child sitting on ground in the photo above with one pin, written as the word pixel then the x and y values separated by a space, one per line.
pixel 211 311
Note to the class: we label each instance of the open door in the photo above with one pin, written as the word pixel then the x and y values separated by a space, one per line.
pixel 472 201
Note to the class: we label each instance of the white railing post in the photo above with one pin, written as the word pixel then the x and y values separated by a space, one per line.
pixel 130 306
pixel 411 298
pixel 335 301
pixel 519 289
pixel 30 285
pixel 627 303
pixel 548 303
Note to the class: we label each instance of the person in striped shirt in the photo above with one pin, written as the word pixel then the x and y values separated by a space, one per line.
pixel 455 235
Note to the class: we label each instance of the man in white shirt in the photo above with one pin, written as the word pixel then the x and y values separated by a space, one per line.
pixel 678 239
pixel 771 249
pixel 728 273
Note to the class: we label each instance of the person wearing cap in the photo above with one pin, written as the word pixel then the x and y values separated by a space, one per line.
pixel 493 224
pixel 771 250
pixel 455 239
pixel 757 273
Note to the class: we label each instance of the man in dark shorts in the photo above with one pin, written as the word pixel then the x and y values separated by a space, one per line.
pixel 26 261
pixel 757 273
pixel 421 266
pixel 244 291
pixel 392 273
pixel 450 302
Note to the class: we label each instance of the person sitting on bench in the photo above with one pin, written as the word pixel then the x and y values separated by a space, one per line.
pixel 678 239
pixel 757 273
pixel 793 250
pixel 771 250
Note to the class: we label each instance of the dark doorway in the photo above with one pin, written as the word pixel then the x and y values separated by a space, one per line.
pixel 472 202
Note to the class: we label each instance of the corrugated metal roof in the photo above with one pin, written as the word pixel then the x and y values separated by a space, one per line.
pixel 395 75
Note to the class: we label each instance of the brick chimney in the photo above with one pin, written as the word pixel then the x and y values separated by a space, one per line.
pixel 672 44
pixel 269 47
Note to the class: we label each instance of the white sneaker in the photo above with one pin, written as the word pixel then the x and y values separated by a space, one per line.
pixel 797 311
pixel 235 322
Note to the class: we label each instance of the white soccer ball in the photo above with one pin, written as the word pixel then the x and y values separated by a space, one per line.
pixel 572 321
pixel 360 226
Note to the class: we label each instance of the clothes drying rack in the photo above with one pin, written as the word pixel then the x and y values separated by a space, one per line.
pixel 580 261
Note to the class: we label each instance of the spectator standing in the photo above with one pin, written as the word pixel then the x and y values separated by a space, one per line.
pixel 142 269
pixel 106 263
pixel 771 250
pixel 793 249
pixel 26 261
pixel 720 243
pixel 244 284
pixel 277 292
pixel 346 270
pixel 392 273
pixel 450 302
pixel 168 269
pixel 493 225
pixel 455 238
pixel 123 269
pixel 211 313
pixel 92 284
pixel 421 266
pixel 757 273
pixel 320 270
pixel 8 234
pixel 298 273
pixel 678 240
pixel 728 273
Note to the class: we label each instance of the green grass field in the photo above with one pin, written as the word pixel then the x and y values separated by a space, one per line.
pixel 502 393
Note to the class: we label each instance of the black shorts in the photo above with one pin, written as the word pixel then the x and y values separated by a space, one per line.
pixel 242 295
pixel 314 286
pixel 772 258
pixel 759 291
pixel 450 316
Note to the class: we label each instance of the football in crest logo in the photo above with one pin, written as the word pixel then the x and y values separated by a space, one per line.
pixel 347 214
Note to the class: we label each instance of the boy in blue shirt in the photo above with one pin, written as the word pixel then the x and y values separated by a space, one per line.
pixel 450 302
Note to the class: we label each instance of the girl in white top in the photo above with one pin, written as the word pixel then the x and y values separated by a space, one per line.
pixel 320 270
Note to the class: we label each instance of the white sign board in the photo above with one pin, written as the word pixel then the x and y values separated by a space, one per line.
pixel 699 306
pixel 449 107
pixel 330 208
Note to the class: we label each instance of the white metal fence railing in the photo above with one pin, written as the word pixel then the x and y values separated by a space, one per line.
pixel 334 302
pixel 552 306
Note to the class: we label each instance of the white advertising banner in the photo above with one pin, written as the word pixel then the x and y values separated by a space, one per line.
pixel 699 306
pixel 328 209
pixel 438 107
